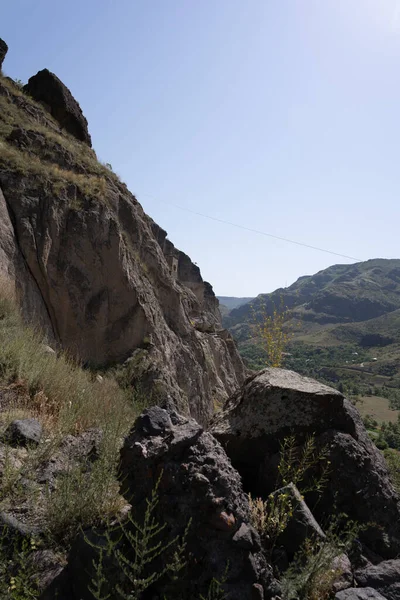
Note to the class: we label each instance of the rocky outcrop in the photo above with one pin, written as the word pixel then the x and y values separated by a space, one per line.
pixel 45 87
pixel 97 274
pixel 269 406
pixel 198 486
pixel 301 525
pixel 3 52
pixel 275 403
pixel 383 577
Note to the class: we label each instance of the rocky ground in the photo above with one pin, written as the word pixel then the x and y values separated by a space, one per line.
pixel 202 480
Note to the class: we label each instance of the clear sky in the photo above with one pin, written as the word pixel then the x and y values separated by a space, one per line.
pixel 278 115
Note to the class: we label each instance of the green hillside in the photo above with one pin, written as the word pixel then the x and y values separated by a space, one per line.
pixel 345 326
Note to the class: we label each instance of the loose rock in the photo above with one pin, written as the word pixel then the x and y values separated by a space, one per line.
pixel 23 432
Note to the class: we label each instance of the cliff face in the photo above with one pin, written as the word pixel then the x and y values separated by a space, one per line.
pixel 98 275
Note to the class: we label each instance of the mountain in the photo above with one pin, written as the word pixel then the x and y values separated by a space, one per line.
pixel 232 302
pixel 110 344
pixel 340 318
pixel 91 268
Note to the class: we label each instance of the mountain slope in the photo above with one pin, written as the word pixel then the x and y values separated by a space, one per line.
pixel 341 293
pixel 344 321
pixel 92 269
pixel 233 302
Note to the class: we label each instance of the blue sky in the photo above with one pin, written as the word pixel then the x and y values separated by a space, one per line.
pixel 278 115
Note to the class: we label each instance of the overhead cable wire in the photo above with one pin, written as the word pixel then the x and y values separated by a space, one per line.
pixel 264 233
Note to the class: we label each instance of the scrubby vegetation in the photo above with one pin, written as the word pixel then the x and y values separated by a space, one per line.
pixel 47 162
pixel 66 399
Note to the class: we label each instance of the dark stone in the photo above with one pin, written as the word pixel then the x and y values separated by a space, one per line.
pixel 359 485
pixel 197 485
pixel 359 594
pixel 3 52
pixel 301 525
pixel 45 87
pixel 383 577
pixel 154 421
pixel 23 432
pixel 13 527
pixel 243 537
pixel 275 403
pixel 46 565
pixel 257 592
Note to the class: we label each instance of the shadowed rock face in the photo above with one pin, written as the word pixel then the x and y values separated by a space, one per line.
pixel 197 485
pixel 3 52
pixel 45 87
pixel 276 403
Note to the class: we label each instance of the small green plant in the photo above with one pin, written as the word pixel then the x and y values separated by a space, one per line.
pixel 317 565
pixel 271 516
pixel 392 458
pixel 17 579
pixel 216 590
pixel 135 547
pixel 272 331
pixel 19 83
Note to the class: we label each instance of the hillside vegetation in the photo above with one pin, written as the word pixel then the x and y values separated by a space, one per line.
pixel 344 324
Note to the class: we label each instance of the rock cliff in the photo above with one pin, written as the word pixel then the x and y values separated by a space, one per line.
pixel 98 275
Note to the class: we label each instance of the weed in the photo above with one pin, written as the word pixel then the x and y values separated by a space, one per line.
pixel 17 580
pixel 316 568
pixel 271 516
pixel 135 546
pixel 271 329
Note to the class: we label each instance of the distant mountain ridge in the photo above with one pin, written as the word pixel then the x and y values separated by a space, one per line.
pixel 341 293
pixel 353 306
pixel 232 302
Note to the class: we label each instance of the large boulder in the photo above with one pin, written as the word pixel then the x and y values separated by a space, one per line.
pixel 269 406
pixel 47 88
pixel 198 485
pixel 3 52
pixel 275 403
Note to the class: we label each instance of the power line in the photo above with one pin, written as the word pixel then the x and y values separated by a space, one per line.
pixel 271 235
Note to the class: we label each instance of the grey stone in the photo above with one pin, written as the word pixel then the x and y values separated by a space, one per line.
pixel 345 578
pixel 243 537
pixel 359 594
pixel 268 406
pixel 301 525
pixel 383 577
pixel 23 432
pixel 14 526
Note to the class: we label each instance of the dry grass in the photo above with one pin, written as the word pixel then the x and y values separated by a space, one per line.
pixel 67 400
pixel 11 116
pixel 50 173
pixel 55 388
